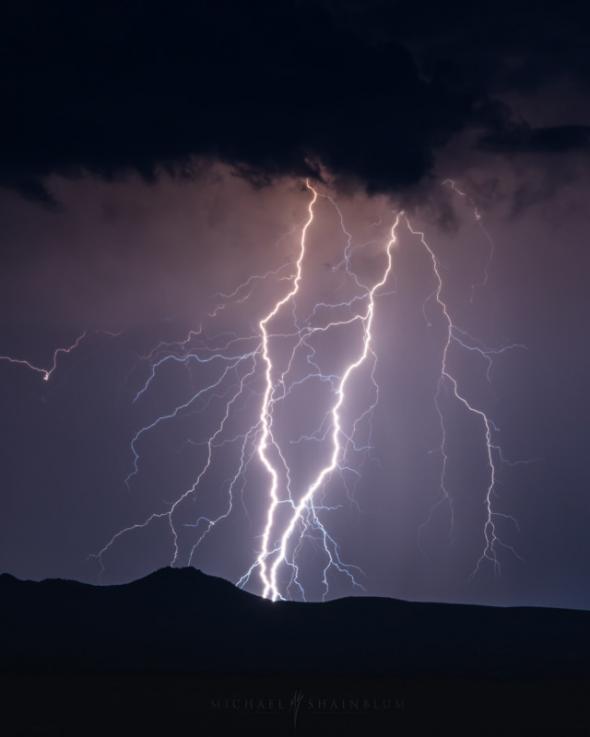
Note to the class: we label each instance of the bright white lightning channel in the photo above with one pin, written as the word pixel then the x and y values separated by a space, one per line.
pixel 279 553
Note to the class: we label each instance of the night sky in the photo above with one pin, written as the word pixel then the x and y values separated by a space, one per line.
pixel 153 155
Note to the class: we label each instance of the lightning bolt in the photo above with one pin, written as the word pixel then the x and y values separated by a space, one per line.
pixel 265 412
pixel 280 552
pixel 477 216
pixel 367 322
pixel 492 450
pixel 246 368
pixel 46 373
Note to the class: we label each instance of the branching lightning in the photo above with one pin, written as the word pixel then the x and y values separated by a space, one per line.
pixel 271 586
pixel 493 451
pixel 265 419
pixel 485 232
pixel 46 373
pixel 252 377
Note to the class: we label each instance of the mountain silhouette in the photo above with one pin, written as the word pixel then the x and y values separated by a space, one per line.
pixel 182 620
pixel 179 623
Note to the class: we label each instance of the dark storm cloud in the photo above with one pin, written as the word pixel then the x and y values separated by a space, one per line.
pixel 270 88
pixel 555 139
pixel 490 46
pixel 370 90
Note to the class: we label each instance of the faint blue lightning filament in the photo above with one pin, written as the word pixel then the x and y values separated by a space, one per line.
pixel 491 538
pixel 46 372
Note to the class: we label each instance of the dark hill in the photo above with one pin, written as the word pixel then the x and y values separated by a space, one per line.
pixel 181 620
pixel 179 652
